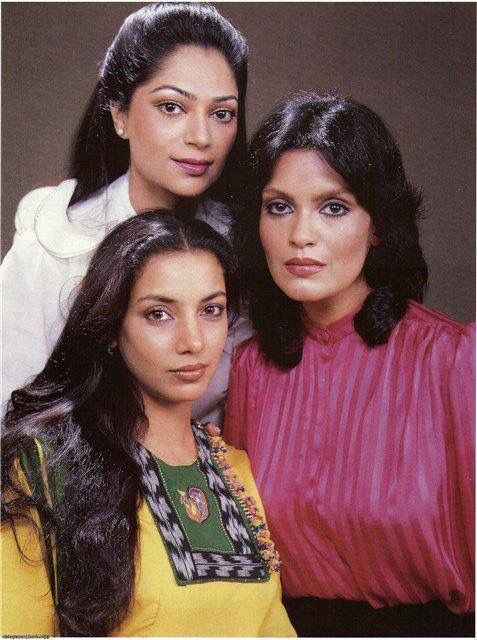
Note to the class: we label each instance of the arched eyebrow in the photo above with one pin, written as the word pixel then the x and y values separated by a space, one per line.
pixel 191 96
pixel 217 294
pixel 326 195
pixel 158 298
pixel 276 192
pixel 225 98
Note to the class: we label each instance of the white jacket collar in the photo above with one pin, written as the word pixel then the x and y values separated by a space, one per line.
pixel 67 232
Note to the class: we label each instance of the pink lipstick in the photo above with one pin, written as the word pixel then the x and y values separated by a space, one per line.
pixel 190 373
pixel 304 267
pixel 192 166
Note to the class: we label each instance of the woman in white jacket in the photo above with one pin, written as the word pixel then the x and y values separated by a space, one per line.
pixel 164 128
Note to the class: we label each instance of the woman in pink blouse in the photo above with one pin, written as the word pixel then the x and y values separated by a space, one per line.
pixel 354 401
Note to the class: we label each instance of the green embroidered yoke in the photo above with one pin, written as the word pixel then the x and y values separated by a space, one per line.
pixel 195 506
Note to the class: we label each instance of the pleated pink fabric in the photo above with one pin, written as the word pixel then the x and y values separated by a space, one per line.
pixel 364 459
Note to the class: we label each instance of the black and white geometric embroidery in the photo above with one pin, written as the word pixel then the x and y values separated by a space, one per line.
pixel 190 566
pixel 165 517
pixel 225 565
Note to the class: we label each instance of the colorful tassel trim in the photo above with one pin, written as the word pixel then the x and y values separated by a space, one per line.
pixel 259 528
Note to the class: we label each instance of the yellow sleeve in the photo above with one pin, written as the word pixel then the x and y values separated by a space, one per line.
pixel 27 602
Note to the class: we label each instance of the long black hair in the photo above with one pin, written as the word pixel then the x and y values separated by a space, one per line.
pixel 146 37
pixel 85 408
pixel 355 142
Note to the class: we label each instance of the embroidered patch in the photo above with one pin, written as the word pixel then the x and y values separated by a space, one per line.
pixel 195 504
pixel 245 564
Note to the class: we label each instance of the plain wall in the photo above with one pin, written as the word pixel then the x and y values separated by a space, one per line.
pixel 413 63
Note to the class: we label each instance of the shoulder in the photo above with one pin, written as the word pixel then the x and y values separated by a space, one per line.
pixel 29 466
pixel 247 362
pixel 63 231
pixel 32 460
pixel 437 330
pixel 33 202
pixel 248 356
pixel 240 465
pixel 239 460
pixel 419 314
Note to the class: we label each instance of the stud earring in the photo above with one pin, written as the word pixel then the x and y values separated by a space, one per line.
pixel 110 350
pixel 120 131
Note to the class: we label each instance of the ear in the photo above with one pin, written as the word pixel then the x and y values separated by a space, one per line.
pixel 111 347
pixel 119 117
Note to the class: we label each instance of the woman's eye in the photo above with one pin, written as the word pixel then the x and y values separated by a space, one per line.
pixel 213 310
pixel 158 315
pixel 278 208
pixel 335 209
pixel 224 115
pixel 171 108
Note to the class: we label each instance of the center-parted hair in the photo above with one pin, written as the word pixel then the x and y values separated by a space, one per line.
pixel 354 141
pixel 86 409
pixel 145 39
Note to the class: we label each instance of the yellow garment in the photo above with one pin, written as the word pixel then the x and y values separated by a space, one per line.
pixel 160 607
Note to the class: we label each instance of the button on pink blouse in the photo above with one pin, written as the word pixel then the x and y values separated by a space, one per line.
pixel 364 459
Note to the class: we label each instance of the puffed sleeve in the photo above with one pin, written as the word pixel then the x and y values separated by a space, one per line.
pixel 461 405
pixel 240 403
pixel 30 281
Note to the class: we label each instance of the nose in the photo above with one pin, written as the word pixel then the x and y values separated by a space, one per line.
pixel 197 132
pixel 190 338
pixel 302 231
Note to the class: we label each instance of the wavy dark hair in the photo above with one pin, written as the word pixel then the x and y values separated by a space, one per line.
pixel 355 142
pixel 146 37
pixel 86 410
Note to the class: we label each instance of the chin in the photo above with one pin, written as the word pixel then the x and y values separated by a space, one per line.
pixel 191 193
pixel 192 188
pixel 190 394
pixel 303 292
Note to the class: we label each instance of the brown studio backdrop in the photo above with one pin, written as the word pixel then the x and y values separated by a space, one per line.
pixel 413 63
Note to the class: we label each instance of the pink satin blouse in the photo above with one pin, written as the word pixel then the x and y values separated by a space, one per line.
pixel 364 459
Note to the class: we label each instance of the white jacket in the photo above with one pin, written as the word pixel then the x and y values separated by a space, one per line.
pixel 51 250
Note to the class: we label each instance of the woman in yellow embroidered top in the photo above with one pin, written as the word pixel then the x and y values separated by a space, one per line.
pixel 145 524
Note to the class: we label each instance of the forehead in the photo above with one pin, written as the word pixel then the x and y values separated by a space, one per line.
pixel 305 168
pixel 181 275
pixel 197 69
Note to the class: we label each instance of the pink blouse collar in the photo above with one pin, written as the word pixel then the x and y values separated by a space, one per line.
pixel 333 332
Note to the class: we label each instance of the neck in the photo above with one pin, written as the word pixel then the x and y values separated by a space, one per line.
pixel 169 435
pixel 330 310
pixel 145 195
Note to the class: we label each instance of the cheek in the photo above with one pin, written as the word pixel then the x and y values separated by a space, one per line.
pixel 217 337
pixel 270 238
pixel 142 353
pixel 225 139
pixel 351 246
pixel 147 132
